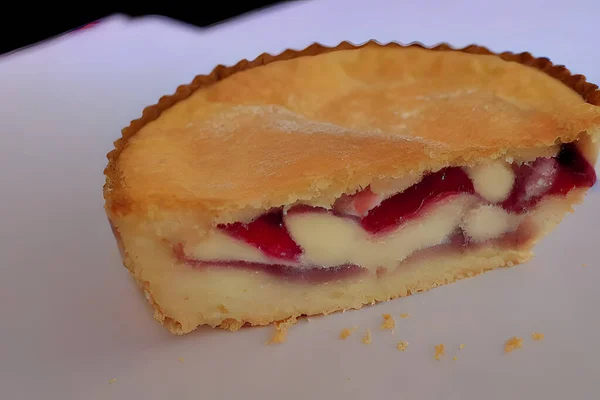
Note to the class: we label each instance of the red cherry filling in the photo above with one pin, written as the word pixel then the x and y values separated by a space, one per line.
pixel 358 204
pixel 542 177
pixel 532 182
pixel 549 176
pixel 574 172
pixel 406 205
pixel 268 234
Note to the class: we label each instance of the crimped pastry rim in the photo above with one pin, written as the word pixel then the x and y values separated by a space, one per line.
pixel 587 90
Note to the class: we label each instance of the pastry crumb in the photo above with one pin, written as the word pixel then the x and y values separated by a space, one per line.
pixel 367 338
pixel 537 336
pixel 455 358
pixel 388 322
pixel 111 381
pixel 402 345
pixel 281 330
pixel 405 315
pixel 512 344
pixel 584 265
pixel 462 346
pixel 278 337
pixel 346 332
pixel 180 359
pixel 439 351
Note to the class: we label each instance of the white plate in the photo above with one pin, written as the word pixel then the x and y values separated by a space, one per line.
pixel 73 320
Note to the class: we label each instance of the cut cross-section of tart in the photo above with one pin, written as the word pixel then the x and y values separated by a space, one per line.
pixel 330 178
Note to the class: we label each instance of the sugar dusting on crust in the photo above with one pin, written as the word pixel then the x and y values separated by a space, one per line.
pixel 278 117
pixel 512 344
pixel 290 122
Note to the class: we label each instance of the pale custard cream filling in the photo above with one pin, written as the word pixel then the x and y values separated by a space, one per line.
pixel 328 240
pixel 220 246
pixel 492 181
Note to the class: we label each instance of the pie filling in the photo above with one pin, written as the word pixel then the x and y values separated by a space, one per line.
pixel 454 208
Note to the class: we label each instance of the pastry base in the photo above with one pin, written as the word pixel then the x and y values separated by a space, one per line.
pixel 185 297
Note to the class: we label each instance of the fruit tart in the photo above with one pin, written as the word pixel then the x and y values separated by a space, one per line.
pixel 327 179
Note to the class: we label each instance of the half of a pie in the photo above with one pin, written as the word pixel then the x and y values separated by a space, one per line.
pixel 330 178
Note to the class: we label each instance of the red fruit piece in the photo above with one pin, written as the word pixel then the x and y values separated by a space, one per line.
pixel 358 204
pixel 268 234
pixel 574 172
pixel 532 181
pixel 546 176
pixel 403 206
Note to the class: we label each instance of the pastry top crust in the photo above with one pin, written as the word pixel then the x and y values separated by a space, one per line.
pixel 320 123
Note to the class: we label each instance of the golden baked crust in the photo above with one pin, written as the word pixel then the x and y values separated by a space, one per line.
pixel 244 139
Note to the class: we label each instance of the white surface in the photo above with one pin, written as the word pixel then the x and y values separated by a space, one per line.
pixel 72 319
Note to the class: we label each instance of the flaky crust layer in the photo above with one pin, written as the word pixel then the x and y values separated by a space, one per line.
pixel 243 139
